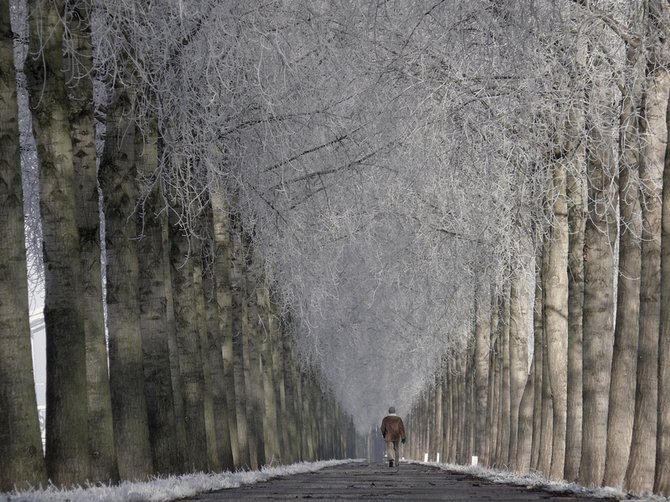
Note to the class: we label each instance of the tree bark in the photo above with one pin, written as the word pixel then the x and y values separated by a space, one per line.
pixel 191 365
pixel 482 326
pixel 538 320
pixel 237 307
pixel 278 376
pixel 493 399
pixel 252 368
pixel 155 323
pixel 67 451
pixel 662 477
pixel 118 174
pixel 547 415
pixel 208 371
pixel 214 353
pixel 518 349
pixel 437 403
pixel 641 465
pixel 79 75
pixel 598 330
pixel 222 273
pixel 448 413
pixel 21 461
pixel 556 317
pixel 522 463
pixel 505 386
pixel 173 347
pixel 290 418
pixel 576 193
pixel 271 431
pixel 626 331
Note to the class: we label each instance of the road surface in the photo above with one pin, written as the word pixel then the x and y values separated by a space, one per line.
pixel 361 481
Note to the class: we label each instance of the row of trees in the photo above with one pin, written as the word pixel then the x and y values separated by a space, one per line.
pixel 590 402
pixel 168 348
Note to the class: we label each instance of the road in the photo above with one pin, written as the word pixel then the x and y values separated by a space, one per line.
pixel 360 481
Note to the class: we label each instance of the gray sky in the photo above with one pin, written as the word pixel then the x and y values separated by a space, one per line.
pixel 38 336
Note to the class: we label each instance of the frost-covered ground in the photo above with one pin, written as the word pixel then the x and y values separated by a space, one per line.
pixel 169 488
pixel 188 485
pixel 538 481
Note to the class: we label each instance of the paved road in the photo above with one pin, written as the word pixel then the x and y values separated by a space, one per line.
pixel 378 482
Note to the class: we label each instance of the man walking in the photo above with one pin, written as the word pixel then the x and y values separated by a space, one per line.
pixel 393 432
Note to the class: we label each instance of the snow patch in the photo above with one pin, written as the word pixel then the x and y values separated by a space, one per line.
pixel 537 480
pixel 168 488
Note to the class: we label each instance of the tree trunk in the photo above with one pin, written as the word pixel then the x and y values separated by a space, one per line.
pixel 453 413
pixel 471 403
pixel 312 407
pixel 79 75
pixel 598 330
pixel 576 189
pixel 522 463
pixel 222 264
pixel 208 371
pixel 505 387
pixel 641 464
pixel 482 326
pixel 547 415
pixel 155 323
pixel 499 348
pixel 290 454
pixel 252 369
pixel 429 417
pixel 659 15
pixel 118 175
pixel 189 344
pixel 303 413
pixel 237 308
pixel 271 432
pixel 462 431
pixel 173 347
pixel 493 400
pixel 214 352
pixel 67 450
pixel 278 376
pixel 447 412
pixel 556 317
pixel 21 461
pixel 626 331
pixel 538 320
pixel 437 403
pixel 518 349
pixel 662 477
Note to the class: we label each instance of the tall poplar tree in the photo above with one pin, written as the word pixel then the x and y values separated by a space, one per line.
pixel 67 446
pixel 237 305
pixel 641 465
pixel 21 460
pixel 556 314
pixel 118 181
pixel 598 324
pixel 662 478
pixel 222 272
pixel 189 343
pixel 518 350
pixel 79 80
pixel 626 331
pixel 157 325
